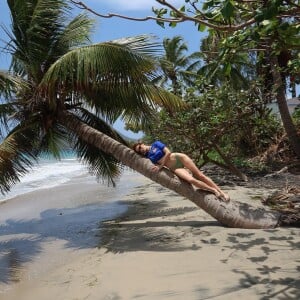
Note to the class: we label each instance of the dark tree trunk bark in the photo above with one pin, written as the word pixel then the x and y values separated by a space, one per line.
pixel 286 118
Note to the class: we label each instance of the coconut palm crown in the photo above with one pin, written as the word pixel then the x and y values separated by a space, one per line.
pixel 59 72
pixel 177 67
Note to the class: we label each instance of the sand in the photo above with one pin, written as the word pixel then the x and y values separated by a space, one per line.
pixel 162 247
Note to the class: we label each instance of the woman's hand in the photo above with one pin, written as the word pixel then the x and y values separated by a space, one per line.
pixel 156 168
pixel 166 157
pixel 162 162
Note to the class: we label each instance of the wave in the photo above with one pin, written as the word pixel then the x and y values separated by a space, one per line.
pixel 48 173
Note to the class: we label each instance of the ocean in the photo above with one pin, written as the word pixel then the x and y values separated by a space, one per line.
pixel 50 172
pixel 47 173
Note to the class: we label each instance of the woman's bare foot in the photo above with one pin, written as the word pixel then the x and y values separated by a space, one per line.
pixel 224 197
pixel 217 193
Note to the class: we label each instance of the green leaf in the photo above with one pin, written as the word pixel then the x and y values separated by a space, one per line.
pixel 228 10
pixel 208 4
pixel 159 12
pixel 284 26
pixel 266 22
pixel 227 69
pixel 201 27
pixel 161 24
pixel 259 16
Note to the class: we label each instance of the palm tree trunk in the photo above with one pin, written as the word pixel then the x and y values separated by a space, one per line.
pixel 232 214
pixel 283 107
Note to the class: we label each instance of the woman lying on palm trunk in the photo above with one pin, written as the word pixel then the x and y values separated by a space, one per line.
pixel 180 164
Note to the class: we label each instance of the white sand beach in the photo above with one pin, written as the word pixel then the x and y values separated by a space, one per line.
pixel 162 247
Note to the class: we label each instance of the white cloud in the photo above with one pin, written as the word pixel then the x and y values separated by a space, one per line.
pixel 136 5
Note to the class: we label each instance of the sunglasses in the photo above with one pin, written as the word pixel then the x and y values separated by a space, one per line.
pixel 138 148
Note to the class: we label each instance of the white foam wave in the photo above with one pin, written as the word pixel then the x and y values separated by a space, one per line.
pixel 48 173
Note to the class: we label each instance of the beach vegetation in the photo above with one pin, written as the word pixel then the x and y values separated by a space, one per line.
pixel 269 29
pixel 220 126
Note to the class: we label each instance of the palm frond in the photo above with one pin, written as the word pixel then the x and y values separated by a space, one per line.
pixel 104 62
pixel 98 123
pixel 99 163
pixel 35 27
pixel 9 83
pixel 174 48
pixel 55 141
pixel 238 80
pixel 110 76
pixel 6 109
pixel 138 102
pixel 18 152
pixel 144 45
pixel 76 33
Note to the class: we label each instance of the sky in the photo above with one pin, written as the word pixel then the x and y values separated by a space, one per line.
pixel 114 28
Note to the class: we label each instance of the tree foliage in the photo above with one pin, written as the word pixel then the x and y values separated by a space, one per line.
pixel 268 26
pixel 178 68
pixel 218 125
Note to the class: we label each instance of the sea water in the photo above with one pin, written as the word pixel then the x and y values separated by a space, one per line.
pixel 47 173
pixel 50 172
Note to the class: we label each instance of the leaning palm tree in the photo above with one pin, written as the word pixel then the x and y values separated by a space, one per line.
pixel 96 84
pixel 72 93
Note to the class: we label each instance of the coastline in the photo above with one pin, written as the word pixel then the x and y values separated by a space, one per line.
pixel 46 228
pixel 162 247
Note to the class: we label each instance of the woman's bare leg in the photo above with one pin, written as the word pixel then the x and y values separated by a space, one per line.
pixel 185 175
pixel 189 164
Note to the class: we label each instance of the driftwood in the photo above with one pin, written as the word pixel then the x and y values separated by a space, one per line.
pixel 283 170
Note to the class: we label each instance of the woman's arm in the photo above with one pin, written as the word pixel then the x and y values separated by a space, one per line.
pixel 162 162
pixel 165 158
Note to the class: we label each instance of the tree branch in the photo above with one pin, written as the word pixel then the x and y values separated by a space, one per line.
pixel 292 3
pixel 183 17
pixel 82 5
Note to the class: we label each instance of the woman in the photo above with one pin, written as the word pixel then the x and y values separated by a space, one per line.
pixel 180 164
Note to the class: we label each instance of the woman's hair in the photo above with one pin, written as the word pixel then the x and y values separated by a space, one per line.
pixel 135 145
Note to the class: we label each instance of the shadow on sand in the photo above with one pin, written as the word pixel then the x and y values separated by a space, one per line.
pixel 96 225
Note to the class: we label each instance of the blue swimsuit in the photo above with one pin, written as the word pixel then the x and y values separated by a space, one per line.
pixel 156 151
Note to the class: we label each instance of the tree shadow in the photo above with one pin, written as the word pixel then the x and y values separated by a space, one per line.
pixel 134 234
pixel 284 287
pixel 146 226
pixel 21 240
pixel 90 226
pixel 153 236
pixel 281 288
pixel 13 254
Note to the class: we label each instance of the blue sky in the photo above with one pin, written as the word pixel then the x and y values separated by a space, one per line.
pixel 113 28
